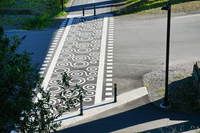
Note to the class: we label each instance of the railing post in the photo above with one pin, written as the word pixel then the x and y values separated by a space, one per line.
pixel 83 11
pixel 115 92
pixel 94 10
pixel 81 105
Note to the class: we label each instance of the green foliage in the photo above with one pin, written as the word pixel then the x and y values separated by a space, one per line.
pixel 154 6
pixel 18 81
pixel 53 8
pixel 59 14
pixel 50 9
pixel 41 117
pixel 6 3
pixel 128 2
pixel 69 96
pixel 180 76
pixel 197 108
pixel 39 22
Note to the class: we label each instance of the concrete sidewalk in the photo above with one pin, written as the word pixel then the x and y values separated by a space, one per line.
pixel 91 111
pixel 132 113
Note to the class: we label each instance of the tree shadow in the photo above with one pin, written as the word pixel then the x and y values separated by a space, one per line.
pixel 90 6
pixel 134 8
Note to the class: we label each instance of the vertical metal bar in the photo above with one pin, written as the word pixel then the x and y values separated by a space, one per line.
pixel 94 10
pixel 115 92
pixel 81 105
pixel 83 11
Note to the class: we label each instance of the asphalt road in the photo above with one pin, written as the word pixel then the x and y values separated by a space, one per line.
pixel 36 42
pixel 140 46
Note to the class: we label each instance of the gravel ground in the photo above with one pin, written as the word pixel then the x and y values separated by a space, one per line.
pixel 182 93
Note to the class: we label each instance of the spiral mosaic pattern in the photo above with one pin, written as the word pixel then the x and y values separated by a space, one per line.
pixel 80 57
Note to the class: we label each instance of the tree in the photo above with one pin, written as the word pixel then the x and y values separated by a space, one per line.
pixel 18 82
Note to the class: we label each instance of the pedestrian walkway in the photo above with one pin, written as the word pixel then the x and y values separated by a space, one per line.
pixel 131 114
pixel 81 49
pixel 69 119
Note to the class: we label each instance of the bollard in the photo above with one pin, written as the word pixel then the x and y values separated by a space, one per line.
pixel 81 105
pixel 115 92
pixel 83 11
pixel 94 10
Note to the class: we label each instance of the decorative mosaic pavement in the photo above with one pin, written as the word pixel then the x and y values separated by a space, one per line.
pixel 80 57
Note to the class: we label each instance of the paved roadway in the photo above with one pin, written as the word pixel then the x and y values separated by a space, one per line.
pixel 139 47
pixel 140 42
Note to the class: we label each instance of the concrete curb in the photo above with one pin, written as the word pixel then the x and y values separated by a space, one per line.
pixel 68 120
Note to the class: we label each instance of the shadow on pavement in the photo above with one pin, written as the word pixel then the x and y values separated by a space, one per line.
pixel 84 110
pixel 99 5
pixel 146 118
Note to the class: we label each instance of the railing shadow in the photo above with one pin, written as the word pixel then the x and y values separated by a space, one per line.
pixel 84 109
pixel 146 118
pixel 89 6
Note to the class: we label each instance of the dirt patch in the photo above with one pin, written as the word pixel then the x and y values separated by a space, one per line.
pixel 182 93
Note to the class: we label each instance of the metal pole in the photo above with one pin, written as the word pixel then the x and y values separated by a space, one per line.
pixel 62 5
pixel 94 10
pixel 81 105
pixel 83 11
pixel 115 92
pixel 165 104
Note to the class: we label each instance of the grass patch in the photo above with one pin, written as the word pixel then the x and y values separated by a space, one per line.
pixel 51 10
pixel 39 22
pixel 161 91
pixel 147 85
pixel 180 76
pixel 154 6
pixel 129 2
